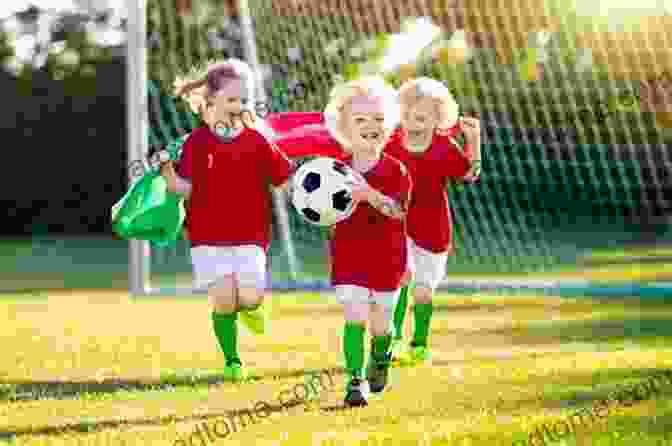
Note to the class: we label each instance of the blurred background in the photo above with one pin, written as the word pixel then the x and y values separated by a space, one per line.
pixel 576 103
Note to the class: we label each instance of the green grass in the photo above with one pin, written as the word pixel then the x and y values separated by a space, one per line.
pixel 32 265
pixel 101 368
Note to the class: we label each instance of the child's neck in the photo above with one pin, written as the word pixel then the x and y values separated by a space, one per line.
pixel 227 133
pixel 364 163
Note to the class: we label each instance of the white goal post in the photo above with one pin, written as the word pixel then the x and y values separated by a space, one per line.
pixel 137 119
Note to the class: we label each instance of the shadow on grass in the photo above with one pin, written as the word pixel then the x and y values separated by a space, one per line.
pixel 590 331
pixel 594 387
pixel 489 307
pixel 657 426
pixel 12 391
pixel 242 415
pixel 625 388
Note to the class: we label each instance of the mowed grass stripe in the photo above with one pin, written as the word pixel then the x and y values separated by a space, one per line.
pixel 31 388
pixel 570 388
pixel 465 326
pixel 495 406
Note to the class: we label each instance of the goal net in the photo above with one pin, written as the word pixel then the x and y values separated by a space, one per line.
pixel 572 166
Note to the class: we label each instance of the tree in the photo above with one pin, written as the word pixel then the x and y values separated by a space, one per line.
pixel 183 33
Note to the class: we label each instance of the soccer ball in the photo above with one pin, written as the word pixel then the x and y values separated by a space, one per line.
pixel 320 192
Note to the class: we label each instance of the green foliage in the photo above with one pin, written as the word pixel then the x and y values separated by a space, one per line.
pixel 180 43
pixel 312 35
pixel 393 79
pixel 6 50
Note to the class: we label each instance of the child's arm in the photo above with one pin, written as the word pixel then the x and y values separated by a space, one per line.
pixel 386 205
pixel 278 167
pixel 327 246
pixel 175 183
pixel 389 206
pixel 464 165
pixel 472 149
pixel 179 182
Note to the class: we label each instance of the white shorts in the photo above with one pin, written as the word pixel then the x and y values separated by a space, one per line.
pixel 247 263
pixel 353 294
pixel 428 268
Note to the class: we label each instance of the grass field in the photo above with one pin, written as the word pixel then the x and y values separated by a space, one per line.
pixel 66 263
pixel 98 368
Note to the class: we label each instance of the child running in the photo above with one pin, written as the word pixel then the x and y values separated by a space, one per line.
pixel 360 116
pixel 424 144
pixel 228 166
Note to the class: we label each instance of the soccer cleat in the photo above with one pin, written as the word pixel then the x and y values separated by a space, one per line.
pixel 356 393
pixel 377 373
pixel 235 372
pixel 398 349
pixel 257 321
pixel 418 355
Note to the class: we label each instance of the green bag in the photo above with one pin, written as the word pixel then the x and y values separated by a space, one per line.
pixel 148 211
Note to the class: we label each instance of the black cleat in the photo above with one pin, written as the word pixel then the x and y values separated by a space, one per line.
pixel 377 373
pixel 356 394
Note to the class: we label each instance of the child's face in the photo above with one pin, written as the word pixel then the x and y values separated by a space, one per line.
pixel 366 125
pixel 229 102
pixel 419 121
pixel 198 104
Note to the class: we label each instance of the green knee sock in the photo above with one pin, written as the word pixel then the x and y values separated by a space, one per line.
pixel 353 347
pixel 226 331
pixel 380 347
pixel 423 316
pixel 400 313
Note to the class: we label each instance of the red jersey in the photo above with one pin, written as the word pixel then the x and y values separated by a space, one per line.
pixel 231 203
pixel 428 220
pixel 369 249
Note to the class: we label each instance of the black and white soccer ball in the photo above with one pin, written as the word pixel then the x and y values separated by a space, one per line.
pixel 321 191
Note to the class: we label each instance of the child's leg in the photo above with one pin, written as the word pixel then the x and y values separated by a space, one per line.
pixel 380 319
pixel 356 312
pixel 251 276
pixel 422 312
pixel 382 313
pixel 430 270
pixel 401 307
pixel 212 269
pixel 225 317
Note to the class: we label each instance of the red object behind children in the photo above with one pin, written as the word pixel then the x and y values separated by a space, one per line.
pixel 301 134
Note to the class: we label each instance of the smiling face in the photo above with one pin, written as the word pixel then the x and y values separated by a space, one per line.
pixel 419 120
pixel 365 124
pixel 228 102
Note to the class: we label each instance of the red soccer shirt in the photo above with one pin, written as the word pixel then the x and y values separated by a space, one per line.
pixel 230 203
pixel 429 221
pixel 369 249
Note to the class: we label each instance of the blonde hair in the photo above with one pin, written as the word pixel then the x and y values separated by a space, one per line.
pixel 341 97
pixel 412 91
pixel 198 86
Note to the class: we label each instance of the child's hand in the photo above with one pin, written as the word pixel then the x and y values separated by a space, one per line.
pixel 474 172
pixel 168 174
pixel 471 127
pixel 361 191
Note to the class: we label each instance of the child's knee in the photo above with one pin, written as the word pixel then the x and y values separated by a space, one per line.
pixel 423 294
pixel 356 312
pixel 222 295
pixel 382 315
pixel 250 298
pixel 407 278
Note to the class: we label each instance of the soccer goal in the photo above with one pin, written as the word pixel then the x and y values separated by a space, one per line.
pixel 572 170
